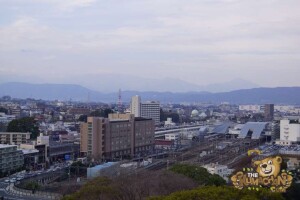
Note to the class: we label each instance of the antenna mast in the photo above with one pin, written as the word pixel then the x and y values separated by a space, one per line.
pixel 120 101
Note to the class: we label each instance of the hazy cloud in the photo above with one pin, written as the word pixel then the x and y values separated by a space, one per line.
pixel 199 41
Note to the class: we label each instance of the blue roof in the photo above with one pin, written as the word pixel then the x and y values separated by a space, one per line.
pixel 223 128
pixel 103 166
pixel 256 127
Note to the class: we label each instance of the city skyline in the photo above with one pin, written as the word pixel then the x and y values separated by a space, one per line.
pixel 200 42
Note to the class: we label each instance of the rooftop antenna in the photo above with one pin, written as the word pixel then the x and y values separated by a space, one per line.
pixel 119 101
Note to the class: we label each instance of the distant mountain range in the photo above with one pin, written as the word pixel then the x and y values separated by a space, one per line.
pixel 112 82
pixel 280 95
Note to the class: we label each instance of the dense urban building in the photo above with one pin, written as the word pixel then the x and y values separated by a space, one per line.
pixel 31 158
pixel 119 135
pixel 62 151
pixel 10 158
pixel 251 108
pixel 41 157
pixel 78 111
pixel 16 111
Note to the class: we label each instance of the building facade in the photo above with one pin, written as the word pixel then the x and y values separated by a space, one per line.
pixel 289 132
pixel 151 109
pixel 135 106
pixel 15 138
pixel 11 158
pixel 269 112
pixel 119 135
pixel 251 108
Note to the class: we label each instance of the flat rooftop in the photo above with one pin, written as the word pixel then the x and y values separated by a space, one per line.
pixel 2 146
pixel 15 133
pixel 29 151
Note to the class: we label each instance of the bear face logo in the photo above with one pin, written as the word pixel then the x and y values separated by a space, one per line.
pixel 268 167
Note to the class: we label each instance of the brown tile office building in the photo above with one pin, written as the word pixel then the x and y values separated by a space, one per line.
pixel 117 136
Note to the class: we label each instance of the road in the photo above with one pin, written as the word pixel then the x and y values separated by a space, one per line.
pixel 8 195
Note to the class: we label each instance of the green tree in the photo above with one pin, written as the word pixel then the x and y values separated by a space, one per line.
pixel 164 115
pixel 26 124
pixel 96 113
pixel 283 165
pixel 82 118
pixel 221 193
pixel 199 174
pixel 78 168
pixel 32 186
pixel 293 192
pixel 134 186
pixel 101 112
pixel 107 111
pixel 98 188
pixel 4 110
pixel 216 180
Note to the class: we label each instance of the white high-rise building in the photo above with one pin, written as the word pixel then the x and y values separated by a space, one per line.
pixel 289 132
pixel 251 108
pixel 151 109
pixel 135 106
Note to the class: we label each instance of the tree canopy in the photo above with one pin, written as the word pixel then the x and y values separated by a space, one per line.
pixel 101 112
pixel 133 186
pixel 166 185
pixel 98 188
pixel 198 174
pixel 165 115
pixel 26 124
pixel 221 193
pixel 4 110
pixel 293 192
pixel 82 118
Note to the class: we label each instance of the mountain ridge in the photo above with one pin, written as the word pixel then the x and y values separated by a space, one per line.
pixel 279 95
pixel 107 83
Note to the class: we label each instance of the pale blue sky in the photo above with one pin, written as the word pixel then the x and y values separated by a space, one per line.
pixel 200 41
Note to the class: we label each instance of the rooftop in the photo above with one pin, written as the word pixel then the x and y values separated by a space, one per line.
pixel 223 128
pixel 29 151
pixel 256 127
pixel 2 146
pixel 15 133
pixel 142 119
pixel 105 165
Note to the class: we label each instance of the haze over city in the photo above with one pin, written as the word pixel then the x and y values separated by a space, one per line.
pixel 149 99
pixel 199 42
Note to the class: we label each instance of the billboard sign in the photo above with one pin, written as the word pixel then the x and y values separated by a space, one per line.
pixel 265 173
pixel 67 157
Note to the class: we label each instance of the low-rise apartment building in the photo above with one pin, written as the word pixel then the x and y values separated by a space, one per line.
pixel 16 138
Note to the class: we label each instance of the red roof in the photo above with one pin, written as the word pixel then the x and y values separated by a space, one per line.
pixel 164 142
